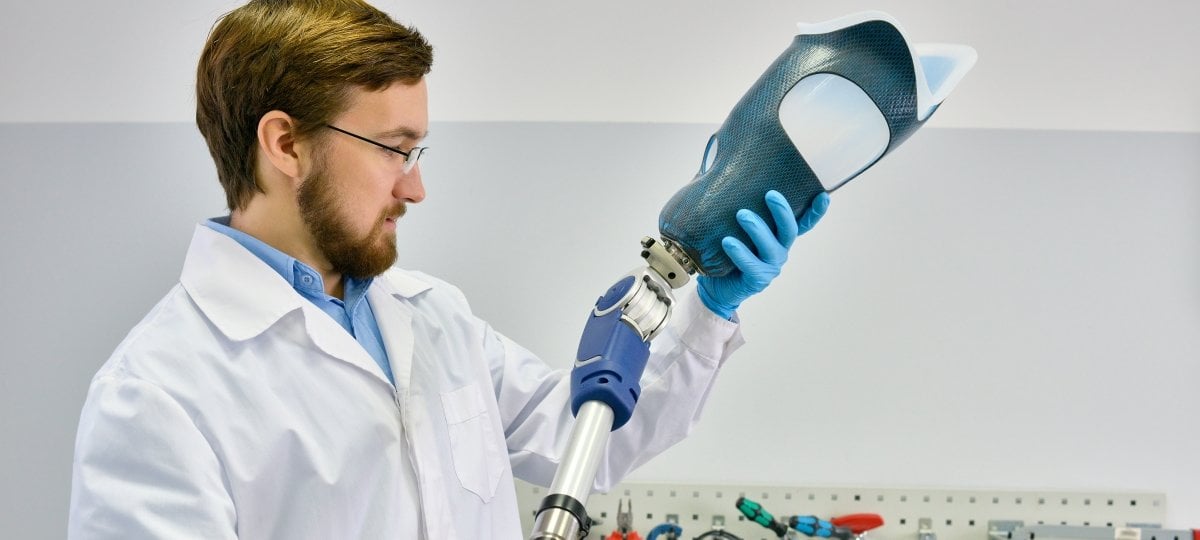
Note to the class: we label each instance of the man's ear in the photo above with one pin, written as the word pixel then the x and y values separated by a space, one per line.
pixel 277 143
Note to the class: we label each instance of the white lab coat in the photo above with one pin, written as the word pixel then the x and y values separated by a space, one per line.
pixel 237 408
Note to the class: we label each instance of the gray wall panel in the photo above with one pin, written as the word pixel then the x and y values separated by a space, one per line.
pixel 983 309
pixel 96 220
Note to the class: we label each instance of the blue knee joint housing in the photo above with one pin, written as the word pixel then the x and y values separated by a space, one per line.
pixel 611 358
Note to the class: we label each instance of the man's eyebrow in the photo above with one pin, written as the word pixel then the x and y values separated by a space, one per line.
pixel 404 132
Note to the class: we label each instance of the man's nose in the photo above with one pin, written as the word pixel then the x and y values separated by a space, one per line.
pixel 409 186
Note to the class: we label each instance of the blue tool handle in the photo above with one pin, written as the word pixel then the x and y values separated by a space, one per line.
pixel 671 530
pixel 814 526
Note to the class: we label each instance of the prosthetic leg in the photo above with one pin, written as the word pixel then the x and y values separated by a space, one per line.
pixel 843 94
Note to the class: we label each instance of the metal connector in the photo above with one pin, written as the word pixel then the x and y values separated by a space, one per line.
pixel 668 260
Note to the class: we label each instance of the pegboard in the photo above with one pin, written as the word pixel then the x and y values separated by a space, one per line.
pixel 947 514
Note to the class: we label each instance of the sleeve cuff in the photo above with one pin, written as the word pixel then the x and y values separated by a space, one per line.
pixel 705 332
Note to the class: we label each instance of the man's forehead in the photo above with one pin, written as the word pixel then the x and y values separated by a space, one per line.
pixel 399 110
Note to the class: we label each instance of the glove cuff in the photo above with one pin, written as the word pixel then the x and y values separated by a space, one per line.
pixel 722 310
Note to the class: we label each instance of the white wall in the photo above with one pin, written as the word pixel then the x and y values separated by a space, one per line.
pixel 1015 307
pixel 1067 64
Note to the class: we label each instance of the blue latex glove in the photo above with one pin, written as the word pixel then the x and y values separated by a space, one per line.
pixel 723 295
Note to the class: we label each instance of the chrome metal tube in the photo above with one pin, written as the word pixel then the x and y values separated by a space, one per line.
pixel 576 472
pixel 646 308
pixel 555 524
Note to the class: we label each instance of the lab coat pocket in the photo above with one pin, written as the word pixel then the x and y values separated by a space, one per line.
pixel 478 458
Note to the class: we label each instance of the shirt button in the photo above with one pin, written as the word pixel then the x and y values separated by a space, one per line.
pixel 307 280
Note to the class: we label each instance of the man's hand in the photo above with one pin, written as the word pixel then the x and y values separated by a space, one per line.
pixel 723 295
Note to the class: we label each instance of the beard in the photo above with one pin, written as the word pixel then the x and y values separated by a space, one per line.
pixel 352 255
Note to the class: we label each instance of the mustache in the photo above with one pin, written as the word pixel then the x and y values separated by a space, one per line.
pixel 396 212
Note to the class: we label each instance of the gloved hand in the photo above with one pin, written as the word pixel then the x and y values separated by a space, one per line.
pixel 723 295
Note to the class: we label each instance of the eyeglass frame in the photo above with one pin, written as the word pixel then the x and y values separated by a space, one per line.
pixel 409 160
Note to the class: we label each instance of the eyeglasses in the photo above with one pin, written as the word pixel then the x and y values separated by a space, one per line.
pixel 410 157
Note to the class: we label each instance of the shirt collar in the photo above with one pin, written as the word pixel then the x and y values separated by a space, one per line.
pixel 300 276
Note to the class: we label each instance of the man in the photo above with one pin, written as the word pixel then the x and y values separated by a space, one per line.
pixel 294 384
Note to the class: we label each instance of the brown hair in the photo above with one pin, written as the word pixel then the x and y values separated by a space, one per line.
pixel 299 57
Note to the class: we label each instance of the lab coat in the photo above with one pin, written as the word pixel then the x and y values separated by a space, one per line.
pixel 237 409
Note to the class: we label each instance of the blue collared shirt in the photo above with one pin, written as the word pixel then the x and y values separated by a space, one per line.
pixel 354 313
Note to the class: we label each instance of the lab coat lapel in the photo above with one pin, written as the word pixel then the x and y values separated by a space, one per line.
pixel 395 325
pixel 390 295
pixel 238 292
pixel 335 341
pixel 243 297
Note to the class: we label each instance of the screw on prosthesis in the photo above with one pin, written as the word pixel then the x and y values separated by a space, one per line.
pixel 668 260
